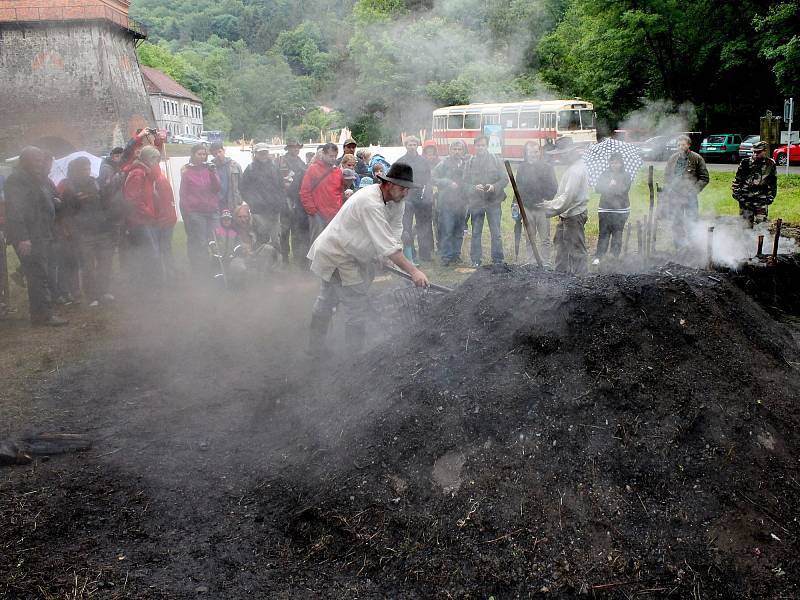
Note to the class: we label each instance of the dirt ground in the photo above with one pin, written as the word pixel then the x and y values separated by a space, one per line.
pixel 533 435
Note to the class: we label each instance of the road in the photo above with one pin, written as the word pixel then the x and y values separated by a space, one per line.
pixel 728 167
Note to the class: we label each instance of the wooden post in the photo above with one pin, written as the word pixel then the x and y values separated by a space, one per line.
pixel 627 237
pixel 523 214
pixel 639 240
pixel 650 211
pixel 760 248
pixel 778 224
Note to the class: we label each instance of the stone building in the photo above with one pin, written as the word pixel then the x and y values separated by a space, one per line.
pixel 69 75
pixel 176 109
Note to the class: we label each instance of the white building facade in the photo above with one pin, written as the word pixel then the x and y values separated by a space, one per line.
pixel 176 109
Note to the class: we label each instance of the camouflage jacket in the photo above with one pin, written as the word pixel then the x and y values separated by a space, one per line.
pixel 756 182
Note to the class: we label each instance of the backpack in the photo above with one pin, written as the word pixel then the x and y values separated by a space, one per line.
pixel 113 197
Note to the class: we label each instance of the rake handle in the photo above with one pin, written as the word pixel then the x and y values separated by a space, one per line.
pixel 433 286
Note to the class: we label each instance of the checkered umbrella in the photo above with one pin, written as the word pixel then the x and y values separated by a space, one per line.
pixel 596 158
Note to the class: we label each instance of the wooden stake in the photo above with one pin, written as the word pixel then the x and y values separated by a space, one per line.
pixel 627 237
pixel 778 224
pixel 710 249
pixel 650 211
pixel 639 240
pixel 523 214
pixel 760 248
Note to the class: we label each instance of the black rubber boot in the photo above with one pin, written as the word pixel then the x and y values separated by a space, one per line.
pixel 318 332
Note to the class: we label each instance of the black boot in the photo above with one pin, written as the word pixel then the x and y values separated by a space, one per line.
pixel 318 332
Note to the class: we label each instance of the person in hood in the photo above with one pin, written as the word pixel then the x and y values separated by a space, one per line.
pixel 30 227
pixel 230 173
pixel 199 205
pixel 366 230
pixel 140 190
pixel 263 190
pixel 80 193
pixel 570 206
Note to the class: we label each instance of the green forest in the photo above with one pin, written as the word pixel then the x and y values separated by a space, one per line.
pixel 379 67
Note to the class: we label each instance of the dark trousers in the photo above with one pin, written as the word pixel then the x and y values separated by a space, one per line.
pixel 4 291
pixel 67 267
pixel 96 253
pixel 37 269
pixel 570 243
pixel 478 215
pixel 612 226
pixel 422 212
pixel 164 242
pixel 143 257
pixel 451 232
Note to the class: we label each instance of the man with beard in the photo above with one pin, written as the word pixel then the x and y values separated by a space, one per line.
pixel 262 189
pixel 367 229
pixel 229 172
pixel 30 220
pixel 685 176
pixel 294 222
pixel 321 190
pixel 419 203
pixel 755 185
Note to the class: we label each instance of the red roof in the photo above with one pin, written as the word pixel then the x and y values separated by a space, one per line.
pixel 157 82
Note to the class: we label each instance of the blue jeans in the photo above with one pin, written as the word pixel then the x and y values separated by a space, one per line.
pixel 451 232
pixel 492 214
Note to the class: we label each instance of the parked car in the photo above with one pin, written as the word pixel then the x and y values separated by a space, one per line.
pixel 654 148
pixel 186 139
pixel 746 147
pixel 780 154
pixel 723 146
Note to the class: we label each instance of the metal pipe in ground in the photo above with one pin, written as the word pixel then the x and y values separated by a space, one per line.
pixel 710 249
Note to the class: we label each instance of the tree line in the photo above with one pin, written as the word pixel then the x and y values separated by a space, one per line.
pixel 381 66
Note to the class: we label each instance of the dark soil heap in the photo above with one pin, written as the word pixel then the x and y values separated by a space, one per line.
pixel 618 436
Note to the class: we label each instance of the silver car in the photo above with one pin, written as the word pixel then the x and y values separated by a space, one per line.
pixel 746 147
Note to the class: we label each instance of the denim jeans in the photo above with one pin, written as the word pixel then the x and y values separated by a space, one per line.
pixel 451 232
pixel 491 213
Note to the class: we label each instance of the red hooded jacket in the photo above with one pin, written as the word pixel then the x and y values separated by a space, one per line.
pixel 140 192
pixel 164 202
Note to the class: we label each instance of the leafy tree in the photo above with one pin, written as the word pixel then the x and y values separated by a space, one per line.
pixel 780 44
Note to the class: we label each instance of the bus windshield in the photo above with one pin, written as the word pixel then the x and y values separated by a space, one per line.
pixel 569 120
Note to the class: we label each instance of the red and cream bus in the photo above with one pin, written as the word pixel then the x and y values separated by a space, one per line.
pixel 509 125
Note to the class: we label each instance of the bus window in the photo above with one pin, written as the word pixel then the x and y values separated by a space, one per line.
pixel 509 120
pixel 491 119
pixel 529 120
pixel 587 119
pixel 455 122
pixel 569 120
pixel 472 121
pixel 548 120
pixel 440 122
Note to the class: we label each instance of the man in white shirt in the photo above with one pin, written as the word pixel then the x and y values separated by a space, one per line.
pixel 569 205
pixel 367 229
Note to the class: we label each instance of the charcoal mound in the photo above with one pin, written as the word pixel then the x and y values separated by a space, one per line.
pixel 538 435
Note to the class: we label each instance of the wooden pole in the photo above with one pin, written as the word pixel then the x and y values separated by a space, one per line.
pixel 760 248
pixel 778 225
pixel 627 237
pixel 710 249
pixel 639 240
pixel 523 214
pixel 650 212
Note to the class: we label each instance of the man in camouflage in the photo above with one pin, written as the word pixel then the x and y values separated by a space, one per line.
pixel 755 185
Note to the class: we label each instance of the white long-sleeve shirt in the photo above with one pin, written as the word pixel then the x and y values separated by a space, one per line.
pixel 572 197
pixel 365 229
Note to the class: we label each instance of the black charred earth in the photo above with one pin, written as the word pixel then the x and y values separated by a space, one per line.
pixel 533 435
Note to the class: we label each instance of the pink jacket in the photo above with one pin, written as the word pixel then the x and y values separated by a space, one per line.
pixel 199 191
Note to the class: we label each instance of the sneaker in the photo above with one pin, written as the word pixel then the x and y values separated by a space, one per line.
pixel 107 298
pixel 64 300
pixel 596 262
pixel 94 303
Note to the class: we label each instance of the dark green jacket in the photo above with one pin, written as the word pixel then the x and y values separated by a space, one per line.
pixel 30 208
pixel 756 182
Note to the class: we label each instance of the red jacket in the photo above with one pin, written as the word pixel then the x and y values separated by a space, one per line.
pixel 321 191
pixel 199 191
pixel 140 192
pixel 164 202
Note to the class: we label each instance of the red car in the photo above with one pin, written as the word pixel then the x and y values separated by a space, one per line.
pixel 779 154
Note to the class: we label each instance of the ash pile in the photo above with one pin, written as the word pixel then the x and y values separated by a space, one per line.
pixel 610 436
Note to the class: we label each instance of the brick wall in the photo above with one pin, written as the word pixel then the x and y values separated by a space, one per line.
pixel 69 85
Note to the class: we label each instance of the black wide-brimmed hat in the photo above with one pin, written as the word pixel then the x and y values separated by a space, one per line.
pixel 400 174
